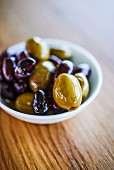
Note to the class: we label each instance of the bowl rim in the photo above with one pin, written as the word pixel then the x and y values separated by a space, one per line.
pixel 82 106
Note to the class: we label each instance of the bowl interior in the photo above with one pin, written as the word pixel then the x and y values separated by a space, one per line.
pixel 80 55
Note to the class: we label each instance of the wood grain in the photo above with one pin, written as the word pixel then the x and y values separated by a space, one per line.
pixel 85 142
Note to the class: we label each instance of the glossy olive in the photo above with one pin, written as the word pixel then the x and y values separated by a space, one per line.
pixel 37 48
pixel 84 85
pixel 63 52
pixel 22 55
pixel 55 60
pixel 67 92
pixel 24 67
pixel 42 76
pixel 7 69
pixel 83 68
pixel 24 103
pixel 40 102
pixel 66 66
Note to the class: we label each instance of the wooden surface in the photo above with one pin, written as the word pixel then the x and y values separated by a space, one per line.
pixel 87 140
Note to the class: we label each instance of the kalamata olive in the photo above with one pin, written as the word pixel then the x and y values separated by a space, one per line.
pixel 25 67
pixel 56 108
pixel 22 55
pixel 7 69
pixel 67 92
pixel 63 52
pixel 65 67
pixel 55 60
pixel 83 68
pixel 42 76
pixel 7 91
pixel 37 48
pixel 84 84
pixel 40 102
pixel 24 103
pixel 20 86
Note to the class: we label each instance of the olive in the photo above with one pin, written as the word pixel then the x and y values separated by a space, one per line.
pixel 7 69
pixel 40 102
pixel 20 86
pixel 24 103
pixel 83 68
pixel 7 91
pixel 65 67
pixel 22 55
pixel 37 48
pixel 67 92
pixel 25 67
pixel 55 60
pixel 63 52
pixel 84 84
pixel 42 76
pixel 10 103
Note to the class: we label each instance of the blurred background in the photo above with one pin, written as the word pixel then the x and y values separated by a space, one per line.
pixel 88 23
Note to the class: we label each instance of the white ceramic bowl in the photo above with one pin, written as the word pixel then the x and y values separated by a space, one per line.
pixel 80 55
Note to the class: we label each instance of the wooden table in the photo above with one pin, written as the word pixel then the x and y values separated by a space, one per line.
pixel 85 141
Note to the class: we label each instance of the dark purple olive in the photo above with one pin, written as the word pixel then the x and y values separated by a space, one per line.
pixel 65 67
pixel 3 55
pixel 57 109
pixel 20 86
pixel 22 55
pixel 83 68
pixel 7 69
pixel 7 91
pixel 25 68
pixel 55 60
pixel 53 107
pixel 40 103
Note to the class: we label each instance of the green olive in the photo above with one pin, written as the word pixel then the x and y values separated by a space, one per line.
pixel 24 103
pixel 67 92
pixel 42 76
pixel 37 48
pixel 84 84
pixel 63 52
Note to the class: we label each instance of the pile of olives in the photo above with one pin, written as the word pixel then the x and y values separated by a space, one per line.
pixel 41 80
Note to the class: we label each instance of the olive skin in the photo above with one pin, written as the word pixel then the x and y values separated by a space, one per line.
pixel 42 76
pixel 63 52
pixel 24 103
pixel 84 85
pixel 37 48
pixel 67 92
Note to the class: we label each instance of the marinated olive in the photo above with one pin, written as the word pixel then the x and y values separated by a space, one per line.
pixel 42 76
pixel 7 91
pixel 22 55
pixel 25 67
pixel 67 92
pixel 65 67
pixel 40 102
pixel 83 68
pixel 55 60
pixel 24 103
pixel 20 86
pixel 84 84
pixel 63 52
pixel 37 48
pixel 7 69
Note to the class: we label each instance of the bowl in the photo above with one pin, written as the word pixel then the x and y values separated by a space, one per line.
pixel 80 55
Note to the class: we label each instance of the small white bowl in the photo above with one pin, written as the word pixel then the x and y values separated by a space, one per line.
pixel 80 55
